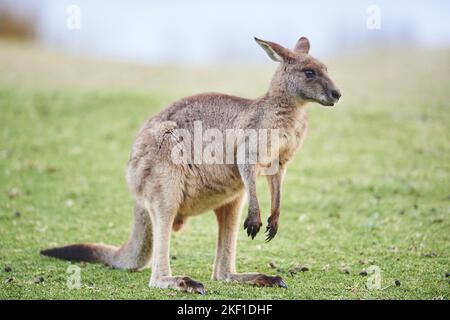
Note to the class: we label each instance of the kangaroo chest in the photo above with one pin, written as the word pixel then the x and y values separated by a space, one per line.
pixel 293 131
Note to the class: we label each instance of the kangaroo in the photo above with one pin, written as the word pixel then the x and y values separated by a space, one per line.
pixel 167 193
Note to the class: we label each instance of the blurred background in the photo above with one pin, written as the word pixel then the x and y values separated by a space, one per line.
pixel 209 32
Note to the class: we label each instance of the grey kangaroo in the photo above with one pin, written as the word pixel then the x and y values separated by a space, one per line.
pixel 166 194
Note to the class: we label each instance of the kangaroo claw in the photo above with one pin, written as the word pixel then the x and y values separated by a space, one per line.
pixel 192 286
pixel 271 229
pixel 252 226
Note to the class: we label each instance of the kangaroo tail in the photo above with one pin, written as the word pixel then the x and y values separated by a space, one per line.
pixel 135 253
pixel 90 252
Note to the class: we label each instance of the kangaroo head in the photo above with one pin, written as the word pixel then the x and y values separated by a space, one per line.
pixel 300 76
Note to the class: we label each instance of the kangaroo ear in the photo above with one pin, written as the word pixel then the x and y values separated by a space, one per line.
pixel 275 51
pixel 302 45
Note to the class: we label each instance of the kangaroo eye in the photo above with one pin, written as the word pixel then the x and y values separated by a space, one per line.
pixel 309 73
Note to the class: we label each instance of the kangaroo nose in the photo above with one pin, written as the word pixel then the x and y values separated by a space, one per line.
pixel 335 94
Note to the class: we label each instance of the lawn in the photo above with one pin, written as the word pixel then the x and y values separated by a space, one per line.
pixel 370 187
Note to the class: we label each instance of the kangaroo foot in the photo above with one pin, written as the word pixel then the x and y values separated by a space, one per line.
pixel 256 279
pixel 269 281
pixel 184 284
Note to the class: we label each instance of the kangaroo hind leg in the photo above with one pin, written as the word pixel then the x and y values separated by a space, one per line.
pixel 228 217
pixel 163 220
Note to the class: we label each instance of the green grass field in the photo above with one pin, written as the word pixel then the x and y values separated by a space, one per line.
pixel 371 185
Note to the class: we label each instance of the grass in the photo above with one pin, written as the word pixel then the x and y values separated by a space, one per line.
pixel 371 185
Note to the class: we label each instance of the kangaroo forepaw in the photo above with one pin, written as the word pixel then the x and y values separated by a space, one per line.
pixel 252 225
pixel 270 281
pixel 271 229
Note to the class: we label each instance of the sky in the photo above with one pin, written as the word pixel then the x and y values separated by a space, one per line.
pixel 208 32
